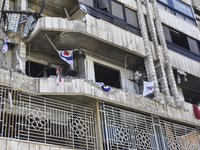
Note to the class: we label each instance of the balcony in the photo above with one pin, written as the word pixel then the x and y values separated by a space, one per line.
pixel 100 35
pixel 86 91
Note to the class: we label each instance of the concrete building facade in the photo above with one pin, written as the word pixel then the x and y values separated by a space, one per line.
pixel 118 42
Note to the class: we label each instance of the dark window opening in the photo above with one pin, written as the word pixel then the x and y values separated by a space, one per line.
pixel 190 87
pixel 196 11
pixel 107 75
pixel 38 70
pixel 179 39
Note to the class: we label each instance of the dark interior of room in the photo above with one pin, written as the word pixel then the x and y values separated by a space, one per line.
pixel 107 75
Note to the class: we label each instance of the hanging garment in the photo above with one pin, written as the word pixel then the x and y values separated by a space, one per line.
pixel 172 143
pixel 58 77
pixel 189 141
pixel 5 45
pixel 30 23
pixel 19 65
pixel 196 111
pixel 12 22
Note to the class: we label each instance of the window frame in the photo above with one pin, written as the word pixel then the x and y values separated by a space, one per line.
pixel 108 16
pixel 174 11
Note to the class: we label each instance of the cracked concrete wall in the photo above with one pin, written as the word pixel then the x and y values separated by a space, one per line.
pixel 19 81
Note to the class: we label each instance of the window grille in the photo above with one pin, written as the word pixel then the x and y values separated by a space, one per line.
pixel 127 130
pixel 50 121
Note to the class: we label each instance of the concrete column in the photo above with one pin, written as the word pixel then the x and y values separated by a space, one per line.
pixel 149 63
pixel 159 66
pixel 168 67
pixel 98 125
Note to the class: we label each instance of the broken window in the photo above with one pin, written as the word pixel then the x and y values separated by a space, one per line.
pixel 190 86
pixel 179 39
pixel 182 43
pixel 107 75
pixel 38 70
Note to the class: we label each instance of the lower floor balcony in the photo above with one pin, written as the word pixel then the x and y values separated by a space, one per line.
pixel 68 122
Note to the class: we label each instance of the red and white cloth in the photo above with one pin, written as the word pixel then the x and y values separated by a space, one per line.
pixel 148 87
pixel 58 77
pixel 196 111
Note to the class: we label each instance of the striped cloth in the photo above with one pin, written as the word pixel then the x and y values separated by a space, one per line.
pixel 12 22
pixel 30 23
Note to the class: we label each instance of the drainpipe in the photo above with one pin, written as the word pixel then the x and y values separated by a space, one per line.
pixel 149 63
pixel 159 64
pixel 168 67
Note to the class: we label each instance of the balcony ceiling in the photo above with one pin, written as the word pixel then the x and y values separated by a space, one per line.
pixel 76 40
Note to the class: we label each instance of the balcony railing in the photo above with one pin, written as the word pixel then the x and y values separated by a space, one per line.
pixel 38 119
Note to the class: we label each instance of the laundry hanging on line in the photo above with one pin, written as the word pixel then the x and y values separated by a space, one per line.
pixel 58 77
pixel 19 65
pixel 12 22
pixel 196 111
pixel 5 45
pixel 29 25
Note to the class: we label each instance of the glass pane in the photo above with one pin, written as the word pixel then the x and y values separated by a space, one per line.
pixel 117 10
pixel 88 2
pixel 180 15
pixel 164 1
pixel 131 17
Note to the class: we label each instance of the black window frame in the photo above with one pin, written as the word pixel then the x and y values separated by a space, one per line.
pixel 107 16
pixel 181 50
pixel 174 11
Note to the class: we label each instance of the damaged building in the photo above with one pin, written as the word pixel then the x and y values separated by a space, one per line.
pixel 100 75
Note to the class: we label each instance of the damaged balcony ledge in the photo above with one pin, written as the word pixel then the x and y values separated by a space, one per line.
pixel 91 27
pixel 89 89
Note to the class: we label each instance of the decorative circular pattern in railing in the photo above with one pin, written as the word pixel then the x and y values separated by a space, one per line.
pixel 37 119
pixel 121 134
pixel 79 127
